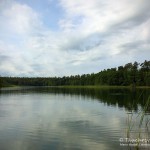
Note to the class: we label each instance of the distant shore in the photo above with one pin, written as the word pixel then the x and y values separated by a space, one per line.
pixel 103 87
pixel 87 86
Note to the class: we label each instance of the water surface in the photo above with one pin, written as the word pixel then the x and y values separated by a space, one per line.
pixel 43 118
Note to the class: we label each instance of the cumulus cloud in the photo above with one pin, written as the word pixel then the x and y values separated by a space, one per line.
pixel 88 34
pixel 19 19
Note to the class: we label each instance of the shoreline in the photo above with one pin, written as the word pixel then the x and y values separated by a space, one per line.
pixel 86 86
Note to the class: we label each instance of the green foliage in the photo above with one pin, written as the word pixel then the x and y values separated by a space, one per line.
pixel 0 82
pixel 129 74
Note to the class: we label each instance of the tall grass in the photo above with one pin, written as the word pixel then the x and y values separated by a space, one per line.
pixel 138 124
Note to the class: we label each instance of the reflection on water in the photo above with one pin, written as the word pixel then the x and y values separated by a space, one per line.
pixel 56 118
pixel 123 98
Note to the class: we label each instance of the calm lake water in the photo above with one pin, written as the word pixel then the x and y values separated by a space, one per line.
pixel 44 118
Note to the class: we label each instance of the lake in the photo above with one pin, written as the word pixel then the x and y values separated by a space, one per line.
pixel 49 118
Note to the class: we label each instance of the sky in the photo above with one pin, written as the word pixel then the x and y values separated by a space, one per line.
pixel 69 37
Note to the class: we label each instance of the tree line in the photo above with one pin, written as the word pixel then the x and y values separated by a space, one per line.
pixel 129 74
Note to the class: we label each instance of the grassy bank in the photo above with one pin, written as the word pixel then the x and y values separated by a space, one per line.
pixel 104 87
pixel 90 86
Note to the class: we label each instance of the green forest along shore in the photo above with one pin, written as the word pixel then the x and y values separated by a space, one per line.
pixel 129 75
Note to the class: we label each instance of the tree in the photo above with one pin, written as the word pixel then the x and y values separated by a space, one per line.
pixel 129 74
pixel 134 71
pixel 145 72
pixel 1 82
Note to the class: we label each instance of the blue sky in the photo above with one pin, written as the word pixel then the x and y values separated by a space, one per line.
pixel 64 37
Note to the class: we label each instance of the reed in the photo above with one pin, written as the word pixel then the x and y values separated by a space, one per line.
pixel 138 125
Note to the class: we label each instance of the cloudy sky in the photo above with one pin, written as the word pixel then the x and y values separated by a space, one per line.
pixel 64 37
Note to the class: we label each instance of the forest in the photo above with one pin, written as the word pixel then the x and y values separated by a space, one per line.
pixel 131 74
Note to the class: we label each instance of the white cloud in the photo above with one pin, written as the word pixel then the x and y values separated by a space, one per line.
pixel 108 19
pixel 97 15
pixel 91 33
pixel 20 19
